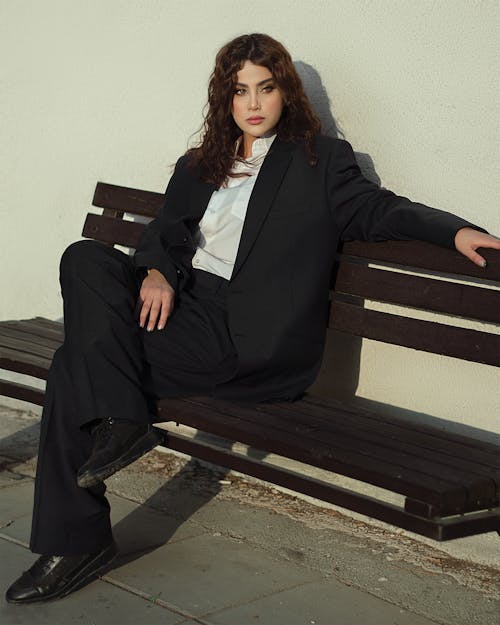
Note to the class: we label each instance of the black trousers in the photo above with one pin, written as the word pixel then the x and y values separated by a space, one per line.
pixel 109 366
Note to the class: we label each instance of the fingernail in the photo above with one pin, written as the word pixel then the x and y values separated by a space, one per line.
pixel 483 264
pixel 160 327
pixel 150 329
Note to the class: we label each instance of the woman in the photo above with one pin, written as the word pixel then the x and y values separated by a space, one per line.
pixel 226 295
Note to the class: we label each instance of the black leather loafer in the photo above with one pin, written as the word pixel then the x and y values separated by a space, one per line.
pixel 52 577
pixel 117 444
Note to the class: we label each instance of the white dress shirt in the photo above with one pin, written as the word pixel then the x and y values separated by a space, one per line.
pixel 220 228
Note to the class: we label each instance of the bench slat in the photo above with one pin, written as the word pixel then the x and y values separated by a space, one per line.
pixel 479 470
pixel 112 230
pixel 30 337
pixel 24 363
pixel 22 391
pixel 425 293
pixel 371 449
pixel 427 336
pixel 128 200
pixel 49 324
pixel 436 528
pixel 422 255
pixel 27 347
pixel 37 326
pixel 390 437
pixel 450 442
pixel 305 413
pixel 429 489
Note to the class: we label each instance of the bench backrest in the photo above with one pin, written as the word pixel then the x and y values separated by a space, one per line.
pixel 367 278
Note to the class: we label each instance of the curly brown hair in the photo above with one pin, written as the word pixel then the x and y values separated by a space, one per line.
pixel 215 155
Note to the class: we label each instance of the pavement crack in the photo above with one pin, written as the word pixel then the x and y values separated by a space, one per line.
pixel 257 597
pixel 151 598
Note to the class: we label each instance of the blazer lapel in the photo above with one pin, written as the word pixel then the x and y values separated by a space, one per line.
pixel 268 181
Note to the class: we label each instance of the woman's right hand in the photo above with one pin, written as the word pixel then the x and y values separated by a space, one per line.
pixel 156 300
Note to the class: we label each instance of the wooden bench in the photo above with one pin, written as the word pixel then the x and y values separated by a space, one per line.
pixel 450 483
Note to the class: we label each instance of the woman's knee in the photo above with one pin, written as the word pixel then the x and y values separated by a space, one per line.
pixel 81 252
pixel 85 256
pixel 92 264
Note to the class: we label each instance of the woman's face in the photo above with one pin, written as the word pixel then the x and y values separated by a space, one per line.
pixel 257 103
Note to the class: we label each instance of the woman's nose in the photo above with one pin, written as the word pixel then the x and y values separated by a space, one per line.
pixel 253 103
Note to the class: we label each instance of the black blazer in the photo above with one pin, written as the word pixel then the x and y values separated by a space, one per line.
pixel 278 293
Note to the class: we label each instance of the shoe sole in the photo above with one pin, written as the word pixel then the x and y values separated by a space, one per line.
pixel 141 446
pixel 102 561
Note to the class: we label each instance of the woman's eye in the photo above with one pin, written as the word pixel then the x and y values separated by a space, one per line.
pixel 243 91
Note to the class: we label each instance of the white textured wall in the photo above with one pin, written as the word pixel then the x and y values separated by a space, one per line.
pixel 112 90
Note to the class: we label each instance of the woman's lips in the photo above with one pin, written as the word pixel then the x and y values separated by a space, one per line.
pixel 255 120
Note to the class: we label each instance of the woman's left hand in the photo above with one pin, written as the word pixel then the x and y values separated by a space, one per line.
pixel 467 240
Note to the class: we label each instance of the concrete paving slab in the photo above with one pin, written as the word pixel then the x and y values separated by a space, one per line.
pixel 99 603
pixel 139 529
pixel 16 501
pixel 324 603
pixel 135 526
pixel 18 529
pixel 208 573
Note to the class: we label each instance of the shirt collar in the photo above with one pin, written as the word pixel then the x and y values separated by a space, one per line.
pixel 260 146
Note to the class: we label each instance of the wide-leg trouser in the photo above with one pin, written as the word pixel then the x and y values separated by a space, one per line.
pixel 109 366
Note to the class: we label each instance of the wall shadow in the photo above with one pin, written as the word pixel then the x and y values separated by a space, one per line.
pixel 323 107
pixel 339 374
pixel 319 99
